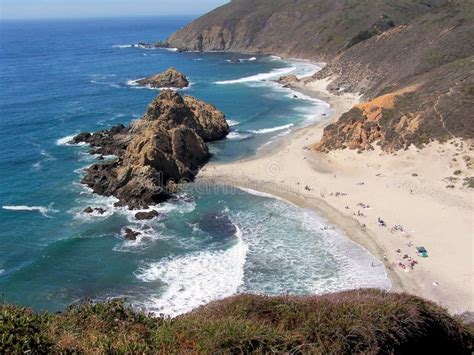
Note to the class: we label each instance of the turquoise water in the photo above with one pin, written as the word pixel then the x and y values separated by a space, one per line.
pixel 59 78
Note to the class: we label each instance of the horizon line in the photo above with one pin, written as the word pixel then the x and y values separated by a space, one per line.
pixel 100 17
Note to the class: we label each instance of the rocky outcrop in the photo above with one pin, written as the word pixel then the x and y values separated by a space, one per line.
pixel 374 48
pixel 130 234
pixel 170 78
pixel 166 146
pixel 288 80
pixel 142 216
pixel 435 106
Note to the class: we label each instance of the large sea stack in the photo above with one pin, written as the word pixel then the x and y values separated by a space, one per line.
pixel 167 145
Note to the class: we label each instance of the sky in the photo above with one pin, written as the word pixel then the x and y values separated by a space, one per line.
pixel 44 9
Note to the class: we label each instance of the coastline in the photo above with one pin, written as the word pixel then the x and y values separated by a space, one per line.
pixel 337 184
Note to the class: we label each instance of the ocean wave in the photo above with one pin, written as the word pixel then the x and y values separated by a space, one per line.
pixel 235 135
pixel 259 77
pixel 263 194
pixel 319 260
pixel 274 58
pixel 146 237
pixel 41 209
pixel 135 85
pixel 196 279
pixel 65 140
pixel 232 123
pixel 123 46
pixel 273 129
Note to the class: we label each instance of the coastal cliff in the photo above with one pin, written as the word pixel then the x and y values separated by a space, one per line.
pixel 419 53
pixel 166 146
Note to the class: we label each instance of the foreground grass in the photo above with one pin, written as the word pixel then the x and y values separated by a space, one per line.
pixel 366 321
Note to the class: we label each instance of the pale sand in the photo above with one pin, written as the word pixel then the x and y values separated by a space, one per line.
pixel 406 189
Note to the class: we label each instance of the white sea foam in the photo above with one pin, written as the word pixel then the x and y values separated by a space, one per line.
pixel 65 140
pixel 143 240
pixel 232 123
pixel 196 279
pixel 135 85
pixel 293 250
pixel 263 194
pixel 123 46
pixel 235 135
pixel 259 77
pixel 274 58
pixel 41 209
pixel 273 129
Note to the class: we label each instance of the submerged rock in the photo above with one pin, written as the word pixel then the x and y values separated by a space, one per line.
pixel 164 147
pixel 90 210
pixel 170 78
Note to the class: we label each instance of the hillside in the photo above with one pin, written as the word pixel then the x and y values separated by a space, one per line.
pixel 421 53
pixel 368 321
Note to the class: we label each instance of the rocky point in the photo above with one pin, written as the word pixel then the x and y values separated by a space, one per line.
pixel 166 146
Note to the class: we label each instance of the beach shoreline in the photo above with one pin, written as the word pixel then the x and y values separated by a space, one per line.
pixel 339 183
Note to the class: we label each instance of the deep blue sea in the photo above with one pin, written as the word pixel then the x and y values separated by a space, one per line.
pixel 58 78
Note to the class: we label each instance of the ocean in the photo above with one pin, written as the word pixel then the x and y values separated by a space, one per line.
pixel 59 78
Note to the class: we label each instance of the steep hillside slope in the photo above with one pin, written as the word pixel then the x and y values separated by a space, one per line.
pixel 419 52
pixel 356 322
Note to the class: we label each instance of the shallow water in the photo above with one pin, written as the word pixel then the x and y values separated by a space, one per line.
pixel 60 78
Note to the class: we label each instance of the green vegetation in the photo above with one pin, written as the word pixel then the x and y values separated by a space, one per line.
pixel 368 321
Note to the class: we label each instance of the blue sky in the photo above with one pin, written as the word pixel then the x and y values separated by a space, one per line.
pixel 32 9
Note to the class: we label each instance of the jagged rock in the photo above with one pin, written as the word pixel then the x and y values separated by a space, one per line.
pixel 146 215
pixel 170 78
pixel 88 210
pixel 164 147
pixel 99 210
pixel 130 234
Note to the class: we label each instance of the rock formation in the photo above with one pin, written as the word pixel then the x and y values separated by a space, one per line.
pixel 130 234
pixel 141 216
pixel 166 146
pixel 288 80
pixel 170 78
pixel 421 53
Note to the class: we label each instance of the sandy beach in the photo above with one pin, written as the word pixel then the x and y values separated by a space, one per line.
pixel 418 194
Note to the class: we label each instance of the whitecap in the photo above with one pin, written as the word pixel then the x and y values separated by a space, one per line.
pixel 196 279
pixel 232 123
pixel 263 194
pixel 41 209
pixel 123 46
pixel 235 135
pixel 273 129
pixel 65 140
pixel 259 77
